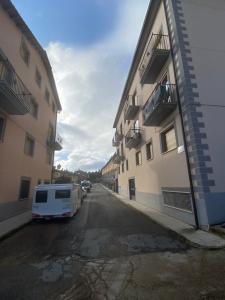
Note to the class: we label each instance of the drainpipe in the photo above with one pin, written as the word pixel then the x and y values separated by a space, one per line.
pixel 182 126
pixel 53 158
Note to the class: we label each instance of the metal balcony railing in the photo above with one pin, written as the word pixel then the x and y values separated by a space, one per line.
pixel 115 143
pixel 14 96
pixel 160 104
pixel 130 109
pixel 133 138
pixel 55 143
pixel 117 158
pixel 118 136
pixel 155 56
pixel 58 142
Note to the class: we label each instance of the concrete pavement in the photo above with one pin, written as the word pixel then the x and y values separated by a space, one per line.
pixel 107 251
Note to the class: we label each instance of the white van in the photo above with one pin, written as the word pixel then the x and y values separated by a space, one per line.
pixel 56 201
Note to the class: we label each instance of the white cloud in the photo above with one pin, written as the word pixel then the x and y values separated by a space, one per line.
pixel 90 83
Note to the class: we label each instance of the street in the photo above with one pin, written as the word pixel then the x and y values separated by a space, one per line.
pixel 107 251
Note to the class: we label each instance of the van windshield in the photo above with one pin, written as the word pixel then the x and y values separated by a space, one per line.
pixel 62 194
pixel 41 196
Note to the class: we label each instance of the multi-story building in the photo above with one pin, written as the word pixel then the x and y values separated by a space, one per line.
pixel 28 113
pixel 110 173
pixel 169 124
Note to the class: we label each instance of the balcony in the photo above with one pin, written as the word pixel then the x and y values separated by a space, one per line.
pixel 115 143
pixel 117 158
pixel 14 96
pixel 160 105
pixel 131 109
pixel 154 58
pixel 118 136
pixel 58 142
pixel 55 143
pixel 133 138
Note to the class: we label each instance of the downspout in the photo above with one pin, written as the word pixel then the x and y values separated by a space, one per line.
pixel 182 126
pixel 53 158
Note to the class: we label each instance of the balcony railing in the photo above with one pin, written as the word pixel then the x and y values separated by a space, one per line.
pixel 130 109
pixel 115 143
pixel 118 136
pixel 160 105
pixel 155 56
pixel 117 158
pixel 58 142
pixel 14 96
pixel 55 143
pixel 133 138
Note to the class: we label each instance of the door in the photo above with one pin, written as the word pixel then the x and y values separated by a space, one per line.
pixel 132 189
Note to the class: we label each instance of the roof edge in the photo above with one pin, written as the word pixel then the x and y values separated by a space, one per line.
pixel 146 28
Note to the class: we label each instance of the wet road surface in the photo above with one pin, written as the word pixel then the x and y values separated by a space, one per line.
pixel 107 251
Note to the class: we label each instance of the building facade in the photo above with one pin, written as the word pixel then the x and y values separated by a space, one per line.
pixel 110 174
pixel 169 124
pixel 28 114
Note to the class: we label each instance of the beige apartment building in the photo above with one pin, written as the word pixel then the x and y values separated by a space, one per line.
pixel 28 114
pixel 110 174
pixel 170 120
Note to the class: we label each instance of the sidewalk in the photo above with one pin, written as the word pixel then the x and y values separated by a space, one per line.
pixel 197 238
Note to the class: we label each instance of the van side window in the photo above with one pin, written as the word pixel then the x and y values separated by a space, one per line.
pixel 41 196
pixel 62 194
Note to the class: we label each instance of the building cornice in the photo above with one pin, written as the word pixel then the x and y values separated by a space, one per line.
pixel 145 32
pixel 10 9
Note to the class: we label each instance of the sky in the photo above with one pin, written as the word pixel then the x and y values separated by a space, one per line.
pixel 90 45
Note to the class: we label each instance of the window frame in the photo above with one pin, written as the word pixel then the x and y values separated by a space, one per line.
pixel 24 178
pixel 152 152
pixel 47 96
pixel 25 48
pixel 163 134
pixel 33 101
pixel 28 136
pixel 2 133
pixel 127 165
pixel 138 162
pixel 38 77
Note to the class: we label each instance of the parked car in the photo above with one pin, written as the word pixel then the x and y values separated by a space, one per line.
pixel 86 184
pixel 56 201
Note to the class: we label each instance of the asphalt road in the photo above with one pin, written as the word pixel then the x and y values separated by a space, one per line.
pixel 107 251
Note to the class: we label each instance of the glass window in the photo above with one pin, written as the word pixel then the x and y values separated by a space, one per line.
pixel 138 158
pixel 2 127
pixel 47 96
pixel 62 194
pixel 41 196
pixel 168 138
pixel 149 151
pixel 24 52
pixel 38 77
pixel 24 188
pixel 122 167
pixel 29 145
pixel 127 166
pixel 33 108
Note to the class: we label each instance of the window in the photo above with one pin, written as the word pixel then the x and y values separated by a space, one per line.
pixel 41 196
pixel 138 158
pixel 29 145
pixel 2 127
pixel 38 77
pixel 122 167
pixel 47 95
pixel 62 194
pixel 33 108
pixel 149 150
pixel 24 188
pixel 127 166
pixel 121 128
pixel 122 149
pixel 168 139
pixel 24 52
